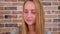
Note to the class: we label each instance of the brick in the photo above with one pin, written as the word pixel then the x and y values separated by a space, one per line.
pixel 7 16
pixel 20 16
pixel 16 12
pixel 7 4
pixel 50 0
pixel 56 29
pixel 7 20
pixel 1 33
pixel 56 3
pixel 50 16
pixel 53 32
pixel 47 12
pixel 2 4
pixel 10 21
pixel 55 12
pixel 10 16
pixel 20 8
pixel 1 16
pixel 58 16
pixel 1 21
pixel 21 0
pixel 46 3
pixel 42 0
pixel 17 4
pixel 10 25
pixel 58 7
pixel 5 12
pixel 50 29
pixel 58 0
pixel 7 33
pixel 13 16
pixel 58 32
pixel 7 29
pixel 1 8
pixel 48 8
pixel 58 25
pixel 11 0
pixel 1 25
pixel 50 25
pixel 56 20
pixel 1 0
pixel 16 21
pixel 10 8
pixel 48 20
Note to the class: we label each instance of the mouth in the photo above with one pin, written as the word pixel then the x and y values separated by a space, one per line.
pixel 29 20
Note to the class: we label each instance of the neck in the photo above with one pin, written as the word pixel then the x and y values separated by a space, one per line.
pixel 31 28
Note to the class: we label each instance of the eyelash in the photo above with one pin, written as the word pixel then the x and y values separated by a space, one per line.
pixel 33 12
pixel 25 11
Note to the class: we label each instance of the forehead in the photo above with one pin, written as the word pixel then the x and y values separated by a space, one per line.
pixel 29 5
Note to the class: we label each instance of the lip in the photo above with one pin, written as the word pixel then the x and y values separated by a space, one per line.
pixel 29 20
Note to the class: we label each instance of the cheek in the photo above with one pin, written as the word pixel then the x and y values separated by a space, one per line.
pixel 34 17
pixel 25 16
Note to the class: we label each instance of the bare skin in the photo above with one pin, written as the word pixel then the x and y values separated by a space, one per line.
pixel 30 16
pixel 31 29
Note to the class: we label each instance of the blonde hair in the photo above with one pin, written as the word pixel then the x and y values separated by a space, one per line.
pixel 39 20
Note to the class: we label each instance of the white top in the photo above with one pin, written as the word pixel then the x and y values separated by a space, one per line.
pixel 16 31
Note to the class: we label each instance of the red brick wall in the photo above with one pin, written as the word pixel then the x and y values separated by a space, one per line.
pixel 11 15
pixel 52 15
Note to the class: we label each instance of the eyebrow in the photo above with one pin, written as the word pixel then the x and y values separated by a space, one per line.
pixel 32 9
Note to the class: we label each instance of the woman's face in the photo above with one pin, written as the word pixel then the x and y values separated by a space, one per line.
pixel 29 13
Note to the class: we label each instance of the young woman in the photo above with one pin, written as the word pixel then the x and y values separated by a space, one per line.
pixel 33 18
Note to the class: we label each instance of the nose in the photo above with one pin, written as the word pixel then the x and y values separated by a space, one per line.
pixel 29 14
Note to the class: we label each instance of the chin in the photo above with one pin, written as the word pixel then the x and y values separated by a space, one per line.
pixel 30 23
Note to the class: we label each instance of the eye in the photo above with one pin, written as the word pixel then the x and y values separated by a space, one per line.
pixel 33 11
pixel 25 11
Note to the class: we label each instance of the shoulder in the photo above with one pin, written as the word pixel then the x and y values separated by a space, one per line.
pixel 47 31
pixel 15 31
